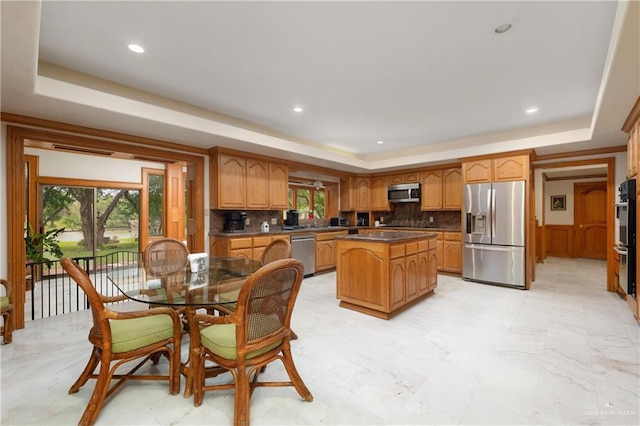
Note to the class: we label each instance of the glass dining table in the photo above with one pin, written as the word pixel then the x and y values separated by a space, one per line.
pixel 212 284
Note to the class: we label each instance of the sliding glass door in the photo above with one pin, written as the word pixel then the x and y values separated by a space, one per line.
pixel 95 220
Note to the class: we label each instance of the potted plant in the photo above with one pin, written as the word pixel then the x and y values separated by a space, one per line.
pixel 38 245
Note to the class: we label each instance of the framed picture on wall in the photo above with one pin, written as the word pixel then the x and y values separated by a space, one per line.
pixel 558 202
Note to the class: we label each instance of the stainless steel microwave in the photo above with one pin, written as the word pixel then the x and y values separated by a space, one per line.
pixel 404 193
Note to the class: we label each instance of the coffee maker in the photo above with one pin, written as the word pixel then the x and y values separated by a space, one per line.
pixel 292 218
pixel 234 222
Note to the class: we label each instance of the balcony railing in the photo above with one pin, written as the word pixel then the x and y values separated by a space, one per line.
pixel 51 292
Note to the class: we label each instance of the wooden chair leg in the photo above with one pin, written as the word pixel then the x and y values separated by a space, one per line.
pixel 174 371
pixel 242 399
pixel 197 380
pixel 98 396
pixel 296 380
pixel 88 370
pixel 7 327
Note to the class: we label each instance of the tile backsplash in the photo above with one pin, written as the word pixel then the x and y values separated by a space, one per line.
pixel 409 214
pixel 403 214
pixel 255 217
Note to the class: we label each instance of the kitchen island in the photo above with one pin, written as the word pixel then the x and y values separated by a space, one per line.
pixel 384 273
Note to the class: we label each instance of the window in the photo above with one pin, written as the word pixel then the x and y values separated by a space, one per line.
pixel 308 201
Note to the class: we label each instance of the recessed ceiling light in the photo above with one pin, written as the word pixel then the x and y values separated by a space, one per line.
pixel 500 29
pixel 297 109
pixel 380 142
pixel 136 48
pixel 531 110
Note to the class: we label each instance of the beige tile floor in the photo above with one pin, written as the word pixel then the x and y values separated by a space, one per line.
pixel 565 352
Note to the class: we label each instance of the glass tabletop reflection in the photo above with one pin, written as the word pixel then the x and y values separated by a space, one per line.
pixel 216 282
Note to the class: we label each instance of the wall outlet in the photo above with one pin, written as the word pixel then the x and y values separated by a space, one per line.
pixel 274 220
pixel 430 219
pixel 247 221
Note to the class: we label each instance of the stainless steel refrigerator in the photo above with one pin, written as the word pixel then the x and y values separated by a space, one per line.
pixel 493 230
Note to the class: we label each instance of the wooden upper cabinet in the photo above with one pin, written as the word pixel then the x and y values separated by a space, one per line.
pixel 247 183
pixel 409 177
pixel 441 189
pixel 476 171
pixel 452 189
pixel 363 194
pixel 278 186
pixel 257 184
pixel 632 127
pixel 511 168
pixel 379 194
pixel 431 190
pixel 231 183
pixel 348 194
pixel 515 167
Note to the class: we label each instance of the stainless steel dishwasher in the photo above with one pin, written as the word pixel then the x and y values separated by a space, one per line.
pixel 303 248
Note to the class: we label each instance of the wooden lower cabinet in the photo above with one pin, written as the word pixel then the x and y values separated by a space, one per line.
pixel 449 249
pixel 452 256
pixel 325 255
pixel 247 247
pixel 326 250
pixel 383 279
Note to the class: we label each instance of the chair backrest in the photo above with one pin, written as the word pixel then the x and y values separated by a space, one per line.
pixel 165 256
pixel 265 304
pixel 8 289
pixel 81 277
pixel 278 249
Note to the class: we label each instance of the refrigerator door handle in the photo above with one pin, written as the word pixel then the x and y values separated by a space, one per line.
pixel 491 248
pixel 468 223
pixel 493 213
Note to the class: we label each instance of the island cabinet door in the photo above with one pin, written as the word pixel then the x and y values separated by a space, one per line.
pixel 397 282
pixel 412 277
pixel 424 271
pixel 433 268
pixel 361 275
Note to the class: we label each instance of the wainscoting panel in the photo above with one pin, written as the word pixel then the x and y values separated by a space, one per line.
pixel 559 240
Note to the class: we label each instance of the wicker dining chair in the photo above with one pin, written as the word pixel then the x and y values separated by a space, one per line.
pixel 6 310
pixel 257 333
pixel 277 249
pixel 121 337
pixel 165 256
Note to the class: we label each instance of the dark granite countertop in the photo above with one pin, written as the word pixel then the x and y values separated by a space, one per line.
pixel 387 236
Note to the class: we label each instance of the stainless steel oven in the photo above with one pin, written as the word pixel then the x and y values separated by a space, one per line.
pixel 626 244
pixel 622 214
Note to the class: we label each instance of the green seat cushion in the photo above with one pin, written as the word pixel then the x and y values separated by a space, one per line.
pixel 220 339
pixel 135 333
pixel 4 301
